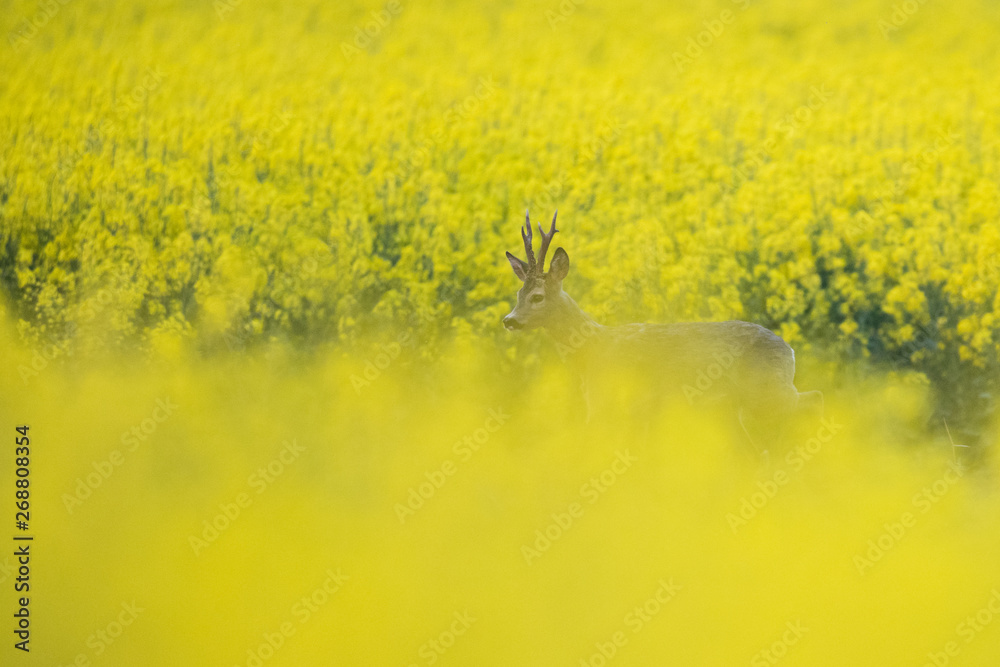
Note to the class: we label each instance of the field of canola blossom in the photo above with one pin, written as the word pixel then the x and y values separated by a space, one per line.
pixel 243 173
pixel 251 284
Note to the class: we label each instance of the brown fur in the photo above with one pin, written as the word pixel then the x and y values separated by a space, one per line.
pixel 737 362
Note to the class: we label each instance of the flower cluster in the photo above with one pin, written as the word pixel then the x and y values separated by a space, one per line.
pixel 327 171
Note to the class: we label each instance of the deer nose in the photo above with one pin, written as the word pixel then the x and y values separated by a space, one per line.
pixel 510 323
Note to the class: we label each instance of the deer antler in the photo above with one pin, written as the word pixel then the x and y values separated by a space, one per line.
pixel 527 241
pixel 546 240
pixel 539 265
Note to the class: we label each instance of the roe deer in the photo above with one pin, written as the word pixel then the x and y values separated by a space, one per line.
pixel 707 362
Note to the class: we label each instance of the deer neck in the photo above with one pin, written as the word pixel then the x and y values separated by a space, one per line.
pixel 570 325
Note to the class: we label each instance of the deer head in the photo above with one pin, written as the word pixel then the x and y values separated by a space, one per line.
pixel 541 300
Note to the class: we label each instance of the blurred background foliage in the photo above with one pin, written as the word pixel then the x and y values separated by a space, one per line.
pixel 177 174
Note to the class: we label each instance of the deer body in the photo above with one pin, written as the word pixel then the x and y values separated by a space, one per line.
pixel 738 362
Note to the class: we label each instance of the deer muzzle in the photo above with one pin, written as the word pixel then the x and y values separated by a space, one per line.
pixel 511 323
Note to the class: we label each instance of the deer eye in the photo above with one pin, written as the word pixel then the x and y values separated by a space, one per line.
pixel 537 298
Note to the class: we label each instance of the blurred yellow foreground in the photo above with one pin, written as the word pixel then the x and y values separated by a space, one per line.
pixel 265 511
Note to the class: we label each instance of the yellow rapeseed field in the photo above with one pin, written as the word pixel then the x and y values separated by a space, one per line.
pixel 251 284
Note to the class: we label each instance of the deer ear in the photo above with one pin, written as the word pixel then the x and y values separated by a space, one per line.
pixel 520 267
pixel 559 266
